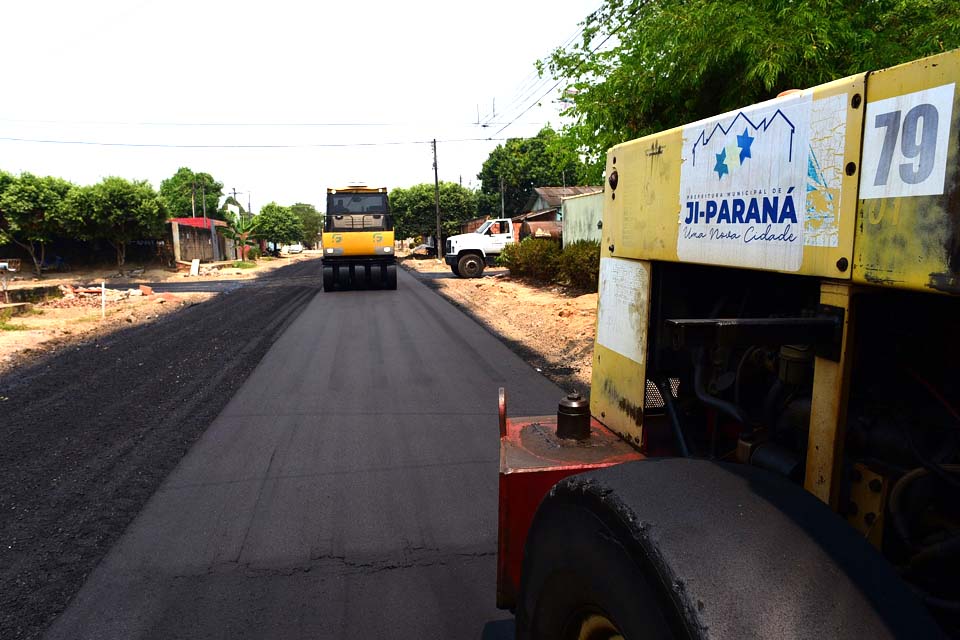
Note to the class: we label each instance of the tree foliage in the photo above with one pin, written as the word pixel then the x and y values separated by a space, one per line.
pixel 33 212
pixel 187 191
pixel 230 200
pixel 119 210
pixel 415 213
pixel 242 230
pixel 644 66
pixel 549 159
pixel 278 225
pixel 310 219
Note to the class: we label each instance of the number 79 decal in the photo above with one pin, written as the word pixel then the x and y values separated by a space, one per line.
pixel 905 143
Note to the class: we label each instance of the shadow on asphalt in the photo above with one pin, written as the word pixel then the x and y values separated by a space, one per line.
pixel 498 630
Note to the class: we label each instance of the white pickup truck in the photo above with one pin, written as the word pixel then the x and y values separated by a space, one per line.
pixel 468 253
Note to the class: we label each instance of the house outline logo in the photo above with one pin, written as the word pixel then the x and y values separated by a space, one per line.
pixel 744 145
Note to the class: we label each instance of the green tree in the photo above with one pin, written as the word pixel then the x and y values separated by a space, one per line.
pixel 415 213
pixel 520 164
pixel 118 211
pixel 32 212
pixel 643 66
pixel 278 225
pixel 228 201
pixel 242 230
pixel 311 219
pixel 186 191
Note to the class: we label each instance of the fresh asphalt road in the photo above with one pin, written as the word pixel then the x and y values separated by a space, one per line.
pixel 348 490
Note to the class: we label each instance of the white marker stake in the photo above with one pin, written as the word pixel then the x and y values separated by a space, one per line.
pixel 103 299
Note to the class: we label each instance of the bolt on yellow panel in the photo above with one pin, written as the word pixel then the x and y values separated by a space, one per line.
pixel 908 223
pixel 771 186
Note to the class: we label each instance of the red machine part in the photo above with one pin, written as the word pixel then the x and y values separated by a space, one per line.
pixel 532 460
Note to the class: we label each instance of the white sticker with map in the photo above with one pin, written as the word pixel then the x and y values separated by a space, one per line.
pixel 828 135
pixel 624 306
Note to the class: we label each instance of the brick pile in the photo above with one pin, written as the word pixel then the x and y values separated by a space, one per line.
pixel 81 296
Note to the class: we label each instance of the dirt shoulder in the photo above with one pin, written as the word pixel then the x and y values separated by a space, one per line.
pixel 27 333
pixel 552 328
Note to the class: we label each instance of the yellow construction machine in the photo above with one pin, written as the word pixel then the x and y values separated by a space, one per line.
pixel 358 239
pixel 771 447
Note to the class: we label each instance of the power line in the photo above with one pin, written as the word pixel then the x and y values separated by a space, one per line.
pixel 244 146
pixel 532 82
pixel 215 124
pixel 558 82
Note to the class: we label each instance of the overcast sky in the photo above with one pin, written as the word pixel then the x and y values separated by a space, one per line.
pixel 344 88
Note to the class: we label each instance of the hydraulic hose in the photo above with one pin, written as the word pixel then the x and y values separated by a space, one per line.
pixel 700 390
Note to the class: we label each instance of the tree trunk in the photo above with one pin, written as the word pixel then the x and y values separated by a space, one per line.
pixel 120 246
pixel 29 248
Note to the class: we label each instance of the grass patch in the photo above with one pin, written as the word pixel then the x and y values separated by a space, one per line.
pixel 242 264
pixel 267 258
pixel 6 325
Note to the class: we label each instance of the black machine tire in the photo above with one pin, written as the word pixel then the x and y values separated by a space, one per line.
pixel 600 579
pixel 342 275
pixel 696 548
pixel 455 269
pixel 328 278
pixel 360 279
pixel 470 265
pixel 391 276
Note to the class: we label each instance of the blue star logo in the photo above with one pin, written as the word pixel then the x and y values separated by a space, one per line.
pixel 744 143
pixel 721 166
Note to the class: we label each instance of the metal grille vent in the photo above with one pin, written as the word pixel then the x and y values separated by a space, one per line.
pixel 652 398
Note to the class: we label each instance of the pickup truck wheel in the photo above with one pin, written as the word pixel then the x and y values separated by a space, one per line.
pixel 470 266
pixel 455 269
pixel 328 278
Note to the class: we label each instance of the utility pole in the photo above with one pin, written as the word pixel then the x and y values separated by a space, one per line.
pixel 502 212
pixel 436 194
pixel 193 198
pixel 203 199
